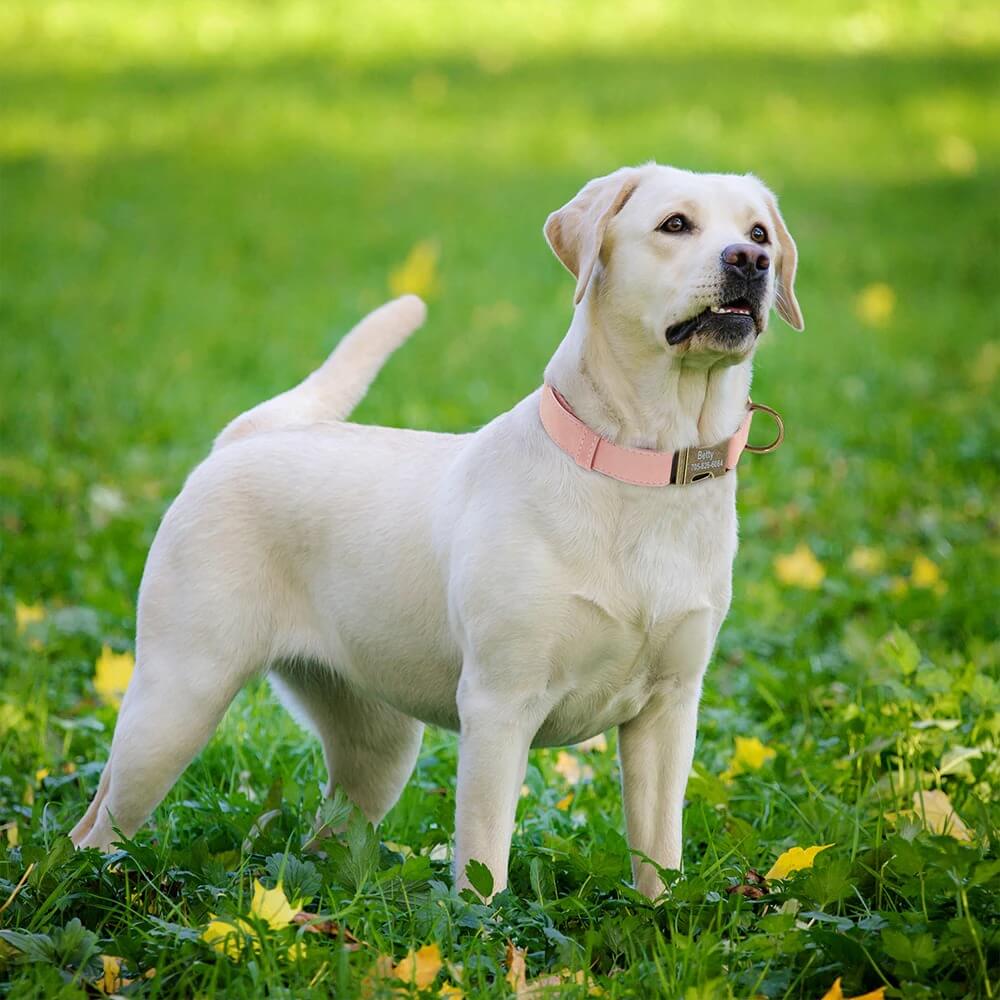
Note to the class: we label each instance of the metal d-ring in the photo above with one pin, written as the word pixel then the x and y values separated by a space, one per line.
pixel 781 429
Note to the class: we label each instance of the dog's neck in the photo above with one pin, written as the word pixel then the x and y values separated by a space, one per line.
pixel 637 394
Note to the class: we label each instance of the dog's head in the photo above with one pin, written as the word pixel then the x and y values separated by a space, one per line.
pixel 695 261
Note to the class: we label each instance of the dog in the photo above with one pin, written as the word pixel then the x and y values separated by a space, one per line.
pixel 530 584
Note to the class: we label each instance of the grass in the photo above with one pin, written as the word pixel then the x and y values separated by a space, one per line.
pixel 196 200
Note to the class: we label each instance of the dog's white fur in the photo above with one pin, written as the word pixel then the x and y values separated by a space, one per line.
pixel 482 582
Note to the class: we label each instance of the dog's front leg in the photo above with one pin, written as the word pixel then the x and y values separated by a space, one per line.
pixel 497 728
pixel 656 750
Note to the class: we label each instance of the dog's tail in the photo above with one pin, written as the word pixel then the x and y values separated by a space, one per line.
pixel 338 385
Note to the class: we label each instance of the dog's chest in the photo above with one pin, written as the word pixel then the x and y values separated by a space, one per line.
pixel 634 585
pixel 657 555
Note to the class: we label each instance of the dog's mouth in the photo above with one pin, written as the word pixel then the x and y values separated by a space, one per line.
pixel 730 322
pixel 738 307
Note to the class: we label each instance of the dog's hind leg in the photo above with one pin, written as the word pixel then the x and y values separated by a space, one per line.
pixel 370 748
pixel 86 823
pixel 203 630
pixel 173 705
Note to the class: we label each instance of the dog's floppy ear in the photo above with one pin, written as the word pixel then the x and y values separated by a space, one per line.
pixel 787 305
pixel 576 231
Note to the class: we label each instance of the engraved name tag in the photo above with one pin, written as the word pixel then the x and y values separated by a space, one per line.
pixel 701 463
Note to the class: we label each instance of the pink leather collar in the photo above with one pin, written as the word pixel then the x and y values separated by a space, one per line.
pixel 638 466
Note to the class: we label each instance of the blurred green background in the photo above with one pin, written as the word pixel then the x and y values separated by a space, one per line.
pixel 197 199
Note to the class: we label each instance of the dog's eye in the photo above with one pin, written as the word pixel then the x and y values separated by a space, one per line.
pixel 675 224
pixel 758 234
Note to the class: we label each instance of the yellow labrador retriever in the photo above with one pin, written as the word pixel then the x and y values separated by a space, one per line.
pixel 556 573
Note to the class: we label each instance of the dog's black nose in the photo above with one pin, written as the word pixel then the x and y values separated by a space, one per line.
pixel 746 259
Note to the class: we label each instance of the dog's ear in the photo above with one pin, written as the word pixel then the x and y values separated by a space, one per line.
pixel 787 305
pixel 576 231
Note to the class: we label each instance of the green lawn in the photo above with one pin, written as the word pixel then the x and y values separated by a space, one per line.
pixel 196 200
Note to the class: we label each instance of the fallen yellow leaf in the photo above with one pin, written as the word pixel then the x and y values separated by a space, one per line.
pixel 112 674
pixel 296 952
pixel 876 304
pixel 41 774
pixel 12 833
pixel 111 977
pixel 938 815
pixel 417 274
pixel 372 983
pixel 800 568
pixel 750 754
pixel 420 968
pixel 795 859
pixel 230 939
pixel 112 981
pixel 27 614
pixel 272 906
pixel 565 802
pixel 451 992
pixel 524 988
pixel 868 561
pixel 517 971
pixel 835 992
pixel 233 937
pixel 926 574
pixel 399 848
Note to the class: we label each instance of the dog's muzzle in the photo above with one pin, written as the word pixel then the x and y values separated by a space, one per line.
pixel 741 308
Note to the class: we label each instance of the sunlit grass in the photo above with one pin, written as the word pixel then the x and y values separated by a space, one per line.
pixel 497 35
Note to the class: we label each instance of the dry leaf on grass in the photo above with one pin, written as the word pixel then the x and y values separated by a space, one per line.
pixel 749 755
pixel 517 970
pixel 313 923
pixel 800 568
pixel 27 614
pixel 836 993
pixel 528 989
pixel 925 574
pixel 112 673
pixel 417 275
pixel 875 304
pixel 795 859
pixel 234 936
pixel 867 560
pixel 753 886
pixel 112 981
pixel 418 969
pixel 933 809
